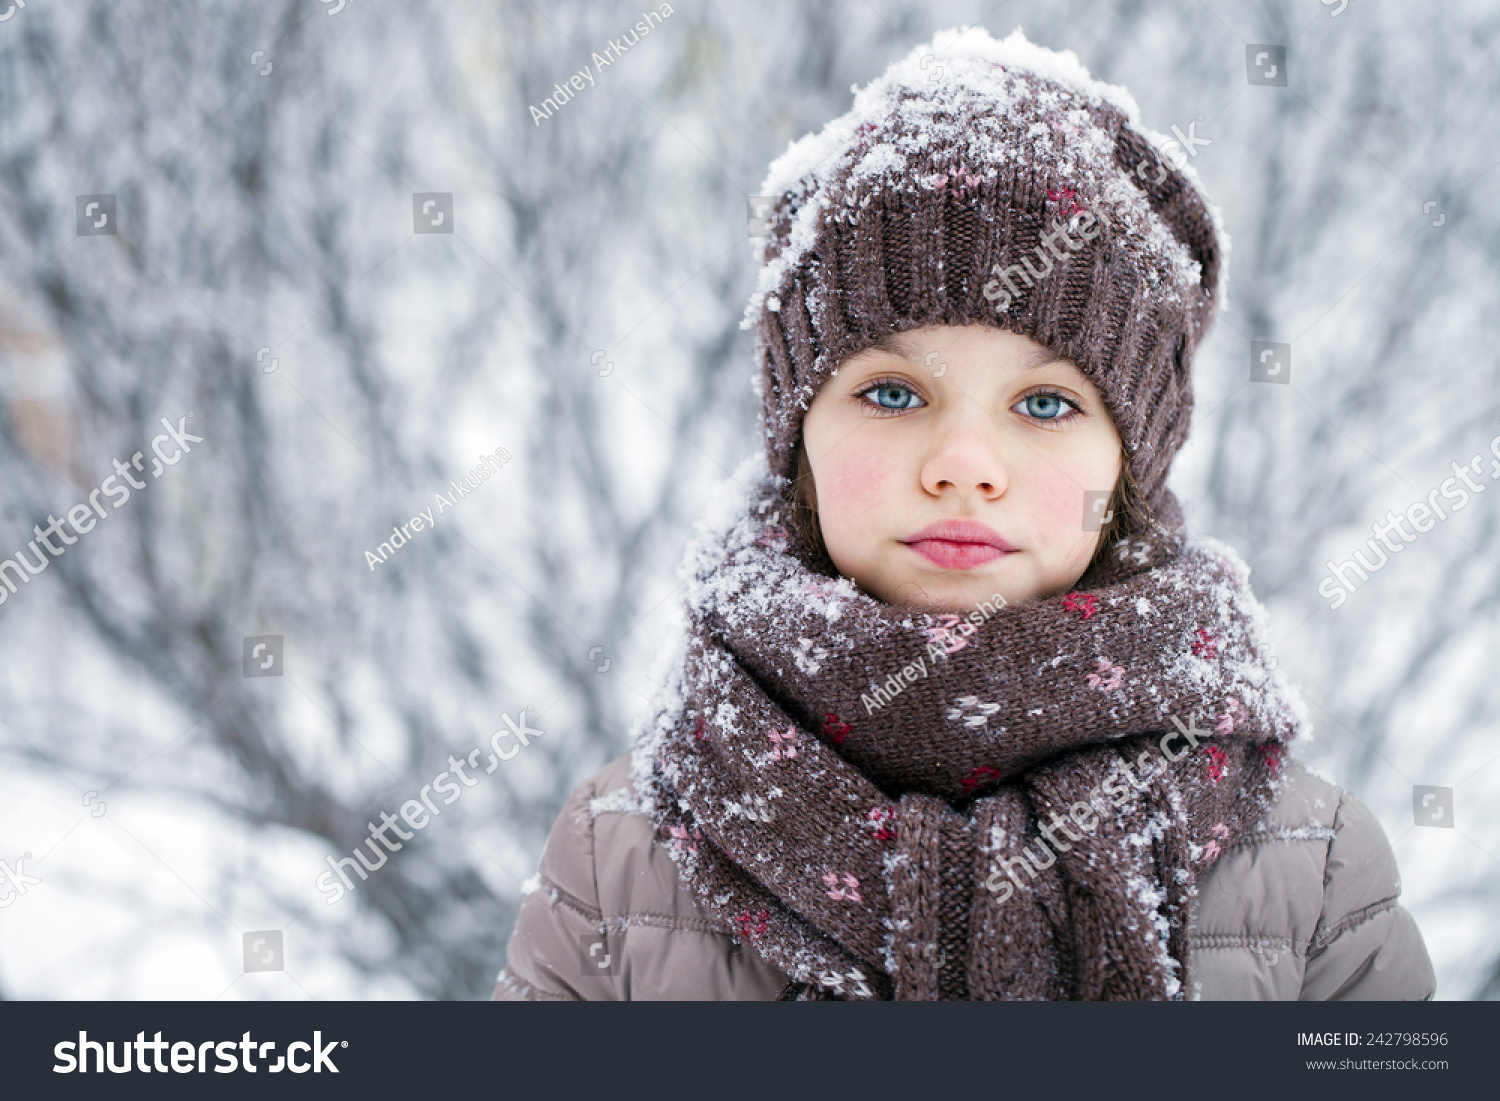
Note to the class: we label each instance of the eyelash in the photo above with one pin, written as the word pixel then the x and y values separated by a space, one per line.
pixel 1050 423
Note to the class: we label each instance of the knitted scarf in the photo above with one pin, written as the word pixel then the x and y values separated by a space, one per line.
pixel 1005 801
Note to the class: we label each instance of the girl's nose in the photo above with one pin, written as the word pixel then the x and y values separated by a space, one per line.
pixel 965 461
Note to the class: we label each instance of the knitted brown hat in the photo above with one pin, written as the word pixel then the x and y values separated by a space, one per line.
pixel 993 183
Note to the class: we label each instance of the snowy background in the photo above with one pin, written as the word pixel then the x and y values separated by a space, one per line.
pixel 583 315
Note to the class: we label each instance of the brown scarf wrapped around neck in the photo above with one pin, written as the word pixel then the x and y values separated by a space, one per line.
pixel 1000 802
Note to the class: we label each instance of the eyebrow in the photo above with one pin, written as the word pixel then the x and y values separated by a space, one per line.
pixel 903 345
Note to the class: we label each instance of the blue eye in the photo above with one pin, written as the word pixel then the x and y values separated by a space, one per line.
pixel 893 396
pixel 1045 406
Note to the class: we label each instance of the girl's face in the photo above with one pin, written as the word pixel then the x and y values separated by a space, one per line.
pixel 952 464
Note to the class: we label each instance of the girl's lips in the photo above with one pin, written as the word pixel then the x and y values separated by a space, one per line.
pixel 958 544
pixel 953 555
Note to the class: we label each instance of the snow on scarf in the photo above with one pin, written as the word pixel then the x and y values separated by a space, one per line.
pixel 874 844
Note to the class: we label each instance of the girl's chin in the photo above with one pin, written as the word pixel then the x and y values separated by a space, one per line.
pixel 967 590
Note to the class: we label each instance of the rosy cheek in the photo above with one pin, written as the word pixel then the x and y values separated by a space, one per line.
pixel 856 481
pixel 1059 502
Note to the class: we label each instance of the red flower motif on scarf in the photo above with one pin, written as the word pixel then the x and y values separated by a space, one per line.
pixel 1271 751
pixel 752 925
pixel 951 633
pixel 822 587
pixel 1235 711
pixel 834 730
pixel 773 537
pixel 699 729
pixel 683 837
pixel 884 821
pixel 1082 603
pixel 783 745
pixel 977 779
pixel 1206 646
pixel 1108 678
pixel 848 892
pixel 1218 761
pixel 1212 849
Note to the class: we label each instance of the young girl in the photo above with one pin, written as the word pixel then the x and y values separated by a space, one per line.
pixel 961 711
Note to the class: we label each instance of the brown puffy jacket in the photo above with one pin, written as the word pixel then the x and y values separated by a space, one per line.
pixel 1305 908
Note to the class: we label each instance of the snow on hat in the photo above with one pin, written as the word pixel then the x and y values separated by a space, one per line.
pixel 996 183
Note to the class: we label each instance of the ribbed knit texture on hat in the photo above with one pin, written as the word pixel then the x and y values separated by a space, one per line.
pixel 928 204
